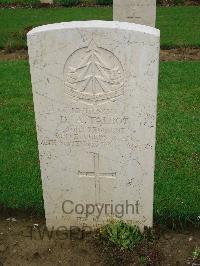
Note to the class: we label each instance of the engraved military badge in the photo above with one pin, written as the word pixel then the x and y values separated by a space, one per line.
pixel 93 75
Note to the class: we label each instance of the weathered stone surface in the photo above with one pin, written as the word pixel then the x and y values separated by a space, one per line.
pixel 95 90
pixel 135 11
pixel 46 1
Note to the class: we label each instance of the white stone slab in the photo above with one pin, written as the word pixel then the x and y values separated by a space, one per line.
pixel 135 11
pixel 95 90
pixel 46 1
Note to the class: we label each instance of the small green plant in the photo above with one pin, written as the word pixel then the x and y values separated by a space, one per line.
pixel 143 260
pixel 68 3
pixel 122 234
pixel 17 40
pixel 104 2
pixel 196 253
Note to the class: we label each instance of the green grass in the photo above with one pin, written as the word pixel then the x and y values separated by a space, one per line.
pixel 177 186
pixel 179 25
pixel 20 185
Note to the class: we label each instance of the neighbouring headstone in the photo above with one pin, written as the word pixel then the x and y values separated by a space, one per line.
pixel 46 1
pixel 135 11
pixel 95 92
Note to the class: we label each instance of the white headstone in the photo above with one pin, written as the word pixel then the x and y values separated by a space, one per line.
pixel 95 90
pixel 135 11
pixel 46 1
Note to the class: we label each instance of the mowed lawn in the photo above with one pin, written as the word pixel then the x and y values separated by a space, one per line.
pixel 180 26
pixel 177 182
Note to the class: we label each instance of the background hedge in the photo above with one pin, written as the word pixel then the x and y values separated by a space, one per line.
pixel 69 3
pixel 104 2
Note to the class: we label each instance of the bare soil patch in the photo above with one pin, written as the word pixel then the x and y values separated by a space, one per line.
pixel 192 3
pixel 22 243
pixel 168 3
pixel 17 55
pixel 180 54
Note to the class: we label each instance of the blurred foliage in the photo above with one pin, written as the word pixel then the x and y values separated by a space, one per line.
pixel 67 3
pixel 104 2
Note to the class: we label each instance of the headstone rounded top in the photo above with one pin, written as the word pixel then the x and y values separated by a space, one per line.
pixel 96 24
pixel 95 99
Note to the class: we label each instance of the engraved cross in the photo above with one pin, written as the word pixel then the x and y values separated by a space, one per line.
pixel 97 175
